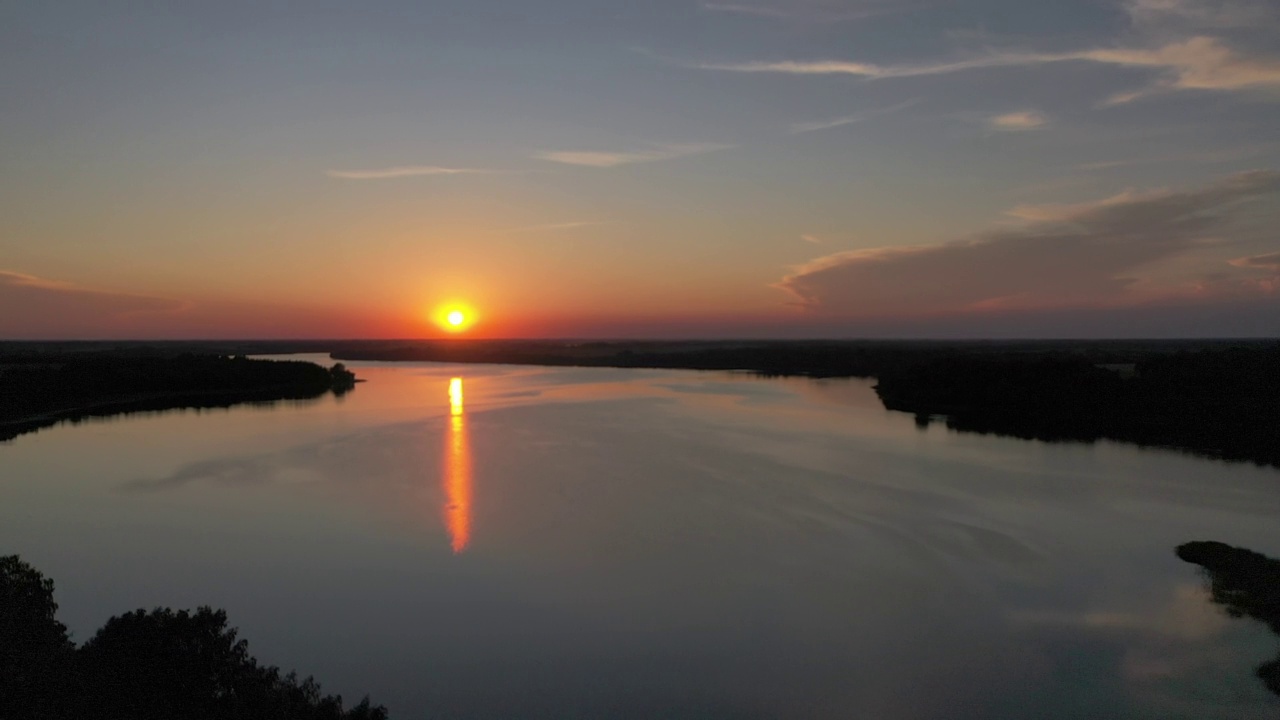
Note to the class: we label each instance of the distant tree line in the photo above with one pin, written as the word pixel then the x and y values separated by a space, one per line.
pixel 1215 398
pixel 144 665
pixel 1218 403
pixel 38 390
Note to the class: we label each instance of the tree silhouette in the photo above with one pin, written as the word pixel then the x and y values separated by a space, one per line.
pixel 1246 584
pixel 34 648
pixel 143 665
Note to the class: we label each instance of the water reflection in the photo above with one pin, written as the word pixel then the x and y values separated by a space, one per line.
pixel 1247 584
pixel 457 472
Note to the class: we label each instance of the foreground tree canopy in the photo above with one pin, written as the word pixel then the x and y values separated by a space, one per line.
pixel 144 665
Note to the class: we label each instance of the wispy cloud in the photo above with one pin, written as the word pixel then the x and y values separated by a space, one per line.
pixel 1209 157
pixel 811 239
pixel 1162 15
pixel 805 127
pixel 32 306
pixel 757 10
pixel 1063 256
pixel 823 11
pixel 608 159
pixel 408 171
pixel 869 70
pixel 17 279
pixel 1197 63
pixel 1021 120
pixel 550 227
pixel 1270 261
pixel 1106 164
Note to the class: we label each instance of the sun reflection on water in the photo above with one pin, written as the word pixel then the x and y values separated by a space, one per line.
pixel 457 472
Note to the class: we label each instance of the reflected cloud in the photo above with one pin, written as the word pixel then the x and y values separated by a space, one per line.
pixel 457 472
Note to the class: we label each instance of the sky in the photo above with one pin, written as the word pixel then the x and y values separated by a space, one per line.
pixel 666 168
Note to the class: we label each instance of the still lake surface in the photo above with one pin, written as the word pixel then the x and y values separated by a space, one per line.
pixel 512 542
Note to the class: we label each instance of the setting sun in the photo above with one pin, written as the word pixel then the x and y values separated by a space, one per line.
pixel 454 317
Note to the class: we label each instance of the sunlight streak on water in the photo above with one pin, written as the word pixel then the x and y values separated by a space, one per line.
pixel 457 472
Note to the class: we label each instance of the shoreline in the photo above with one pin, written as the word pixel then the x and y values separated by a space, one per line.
pixel 47 389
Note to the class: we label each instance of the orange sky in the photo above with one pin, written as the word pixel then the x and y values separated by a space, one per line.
pixel 657 169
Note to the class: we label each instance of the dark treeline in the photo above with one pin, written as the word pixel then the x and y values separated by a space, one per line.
pixel 1246 584
pixel 38 389
pixel 1218 403
pixel 1215 398
pixel 813 358
pixel 144 665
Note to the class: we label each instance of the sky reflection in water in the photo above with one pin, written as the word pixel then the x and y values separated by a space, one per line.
pixel 613 543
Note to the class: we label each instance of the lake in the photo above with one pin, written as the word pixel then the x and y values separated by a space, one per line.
pixel 480 541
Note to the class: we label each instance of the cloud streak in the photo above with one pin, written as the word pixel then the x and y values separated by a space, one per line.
pixel 33 307
pixel 807 127
pixel 550 227
pixel 1065 256
pixel 609 159
pixel 1196 63
pixel 1270 261
pixel 1154 15
pixel 811 10
pixel 1019 121
pixel 757 10
pixel 407 171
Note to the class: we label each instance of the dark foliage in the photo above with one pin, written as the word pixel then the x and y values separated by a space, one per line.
pixel 1219 403
pixel 1214 398
pixel 341 380
pixel 808 358
pixel 814 358
pixel 142 665
pixel 34 648
pixel 1246 584
pixel 38 390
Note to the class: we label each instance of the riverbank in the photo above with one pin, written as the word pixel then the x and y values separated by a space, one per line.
pixel 1217 399
pixel 1213 398
pixel 42 389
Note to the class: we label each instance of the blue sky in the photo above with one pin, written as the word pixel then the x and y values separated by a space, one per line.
pixel 776 168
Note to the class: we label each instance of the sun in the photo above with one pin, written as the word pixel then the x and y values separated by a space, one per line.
pixel 454 317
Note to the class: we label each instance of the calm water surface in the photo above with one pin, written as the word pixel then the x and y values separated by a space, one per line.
pixel 500 542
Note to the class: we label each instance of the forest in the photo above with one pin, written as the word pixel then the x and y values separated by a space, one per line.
pixel 40 389
pixel 156 664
